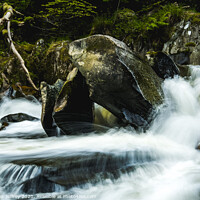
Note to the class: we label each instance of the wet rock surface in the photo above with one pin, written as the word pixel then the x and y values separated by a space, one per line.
pixel 118 79
pixel 18 117
pixel 49 94
pixel 164 66
pixel 76 169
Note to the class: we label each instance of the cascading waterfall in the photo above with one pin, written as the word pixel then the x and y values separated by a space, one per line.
pixel 161 164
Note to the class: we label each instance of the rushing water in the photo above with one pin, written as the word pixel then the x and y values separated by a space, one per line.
pixel 161 164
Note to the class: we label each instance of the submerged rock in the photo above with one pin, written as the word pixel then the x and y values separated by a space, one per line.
pixel 78 168
pixel 117 78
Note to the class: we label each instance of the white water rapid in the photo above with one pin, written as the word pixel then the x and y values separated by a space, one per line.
pixel 161 164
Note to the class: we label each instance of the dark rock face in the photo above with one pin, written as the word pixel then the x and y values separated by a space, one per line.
pixel 49 94
pixel 181 58
pixel 117 79
pixel 184 45
pixel 164 66
pixel 66 107
pixel 73 111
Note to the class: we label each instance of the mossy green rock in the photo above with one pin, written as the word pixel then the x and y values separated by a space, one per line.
pixel 117 78
pixel 105 118
pixel 44 62
pixel 56 62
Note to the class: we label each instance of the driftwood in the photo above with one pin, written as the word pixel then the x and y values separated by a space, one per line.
pixel 8 13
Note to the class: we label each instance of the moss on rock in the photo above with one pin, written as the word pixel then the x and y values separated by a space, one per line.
pixel 44 62
pixel 190 44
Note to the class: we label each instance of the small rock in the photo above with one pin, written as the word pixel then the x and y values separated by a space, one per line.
pixel 18 117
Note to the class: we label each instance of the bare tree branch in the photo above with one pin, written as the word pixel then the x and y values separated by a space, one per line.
pixel 8 13
pixel 6 18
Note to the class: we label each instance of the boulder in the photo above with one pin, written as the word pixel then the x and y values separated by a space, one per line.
pixel 118 79
pixel 184 45
pixel 163 65
pixel 56 61
pixel 184 70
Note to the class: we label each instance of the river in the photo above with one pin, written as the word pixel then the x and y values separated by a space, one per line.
pixel 121 164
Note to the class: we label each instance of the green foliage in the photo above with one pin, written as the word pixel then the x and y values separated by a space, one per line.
pixel 194 17
pixel 144 24
pixel 19 5
pixel 102 24
pixel 68 9
pixel 4 32
pixel 66 18
pixel 28 19
pixel 126 20
pixel 196 20
pixel 127 24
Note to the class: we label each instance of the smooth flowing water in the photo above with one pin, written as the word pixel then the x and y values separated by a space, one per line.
pixel 161 164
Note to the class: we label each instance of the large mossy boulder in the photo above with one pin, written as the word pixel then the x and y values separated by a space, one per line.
pixel 118 79
pixel 184 45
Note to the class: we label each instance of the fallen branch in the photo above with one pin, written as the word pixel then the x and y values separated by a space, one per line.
pixel 8 10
